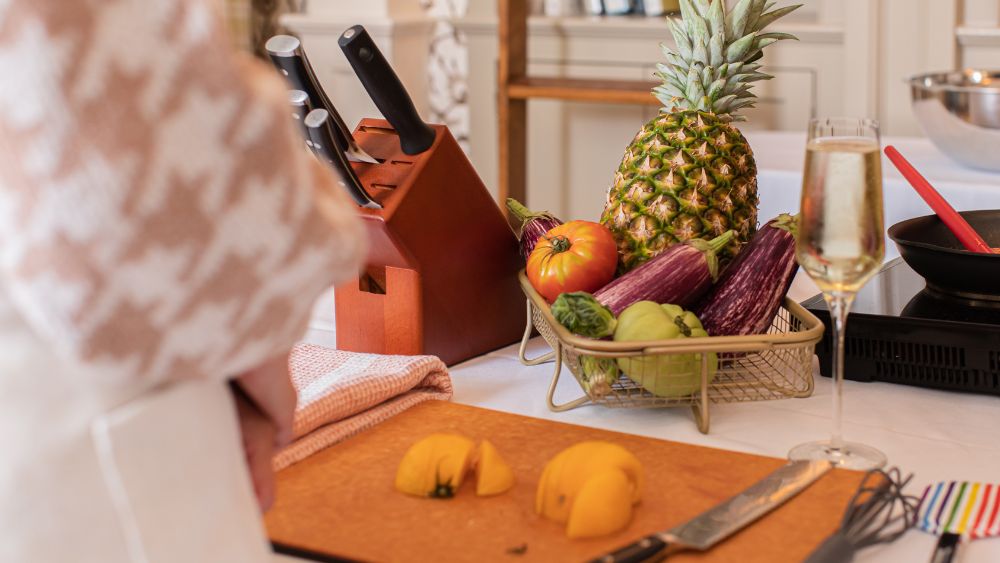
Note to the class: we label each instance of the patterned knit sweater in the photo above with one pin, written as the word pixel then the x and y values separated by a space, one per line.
pixel 159 218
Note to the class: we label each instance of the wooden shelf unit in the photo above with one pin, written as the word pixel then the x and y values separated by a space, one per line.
pixel 515 88
pixel 583 90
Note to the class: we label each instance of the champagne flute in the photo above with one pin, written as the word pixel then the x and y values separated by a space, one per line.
pixel 841 246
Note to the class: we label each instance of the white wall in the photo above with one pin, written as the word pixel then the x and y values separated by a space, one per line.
pixel 852 59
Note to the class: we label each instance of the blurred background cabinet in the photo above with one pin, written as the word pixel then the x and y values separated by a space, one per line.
pixel 852 59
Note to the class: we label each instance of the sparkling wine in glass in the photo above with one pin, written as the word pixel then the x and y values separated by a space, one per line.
pixel 841 246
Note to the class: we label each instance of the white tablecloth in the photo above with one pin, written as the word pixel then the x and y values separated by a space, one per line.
pixel 934 434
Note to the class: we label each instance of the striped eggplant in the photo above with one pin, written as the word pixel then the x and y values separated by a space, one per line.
pixel 752 288
pixel 533 225
pixel 679 275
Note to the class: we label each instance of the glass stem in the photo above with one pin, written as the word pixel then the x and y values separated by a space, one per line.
pixel 839 304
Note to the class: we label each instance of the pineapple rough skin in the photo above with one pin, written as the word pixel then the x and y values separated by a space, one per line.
pixel 689 173
pixel 686 174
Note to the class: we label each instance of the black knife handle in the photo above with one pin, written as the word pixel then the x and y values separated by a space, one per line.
pixel 286 53
pixel 301 106
pixel 947 548
pixel 836 549
pixel 649 548
pixel 386 90
pixel 321 134
pixel 297 70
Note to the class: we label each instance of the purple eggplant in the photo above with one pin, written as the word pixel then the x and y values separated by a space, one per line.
pixel 533 225
pixel 751 290
pixel 679 275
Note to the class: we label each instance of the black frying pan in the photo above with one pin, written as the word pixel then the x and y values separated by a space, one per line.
pixel 926 244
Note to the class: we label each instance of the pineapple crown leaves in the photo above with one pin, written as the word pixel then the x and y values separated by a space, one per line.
pixel 715 62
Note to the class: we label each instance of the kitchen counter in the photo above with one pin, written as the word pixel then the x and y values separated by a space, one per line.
pixel 936 435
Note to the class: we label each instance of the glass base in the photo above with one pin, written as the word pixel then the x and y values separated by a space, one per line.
pixel 849 455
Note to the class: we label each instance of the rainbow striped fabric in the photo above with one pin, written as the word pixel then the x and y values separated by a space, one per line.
pixel 968 509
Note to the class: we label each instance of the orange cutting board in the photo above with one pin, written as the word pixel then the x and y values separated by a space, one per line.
pixel 341 501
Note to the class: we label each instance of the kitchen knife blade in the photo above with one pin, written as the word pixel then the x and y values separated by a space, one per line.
pixel 321 135
pixel 288 56
pixel 386 90
pixel 718 523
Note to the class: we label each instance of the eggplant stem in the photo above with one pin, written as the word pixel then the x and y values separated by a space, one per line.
pixel 710 247
pixel 521 212
pixel 787 222
pixel 719 242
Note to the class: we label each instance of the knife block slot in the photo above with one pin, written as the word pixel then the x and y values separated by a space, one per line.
pixel 378 130
pixel 443 261
pixel 372 280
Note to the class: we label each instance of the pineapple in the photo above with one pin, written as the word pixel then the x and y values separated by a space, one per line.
pixel 689 173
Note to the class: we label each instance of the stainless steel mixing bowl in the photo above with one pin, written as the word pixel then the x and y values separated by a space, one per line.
pixel 960 113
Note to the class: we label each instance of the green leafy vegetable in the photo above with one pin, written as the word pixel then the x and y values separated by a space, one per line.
pixel 582 314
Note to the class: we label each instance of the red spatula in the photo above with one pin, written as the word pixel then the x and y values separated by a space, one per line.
pixel 968 236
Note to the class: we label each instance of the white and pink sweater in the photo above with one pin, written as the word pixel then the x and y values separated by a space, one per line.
pixel 161 229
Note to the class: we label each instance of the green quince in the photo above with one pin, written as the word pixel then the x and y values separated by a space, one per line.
pixel 664 375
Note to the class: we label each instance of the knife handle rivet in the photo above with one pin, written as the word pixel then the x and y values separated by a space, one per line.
pixel 349 34
pixel 365 53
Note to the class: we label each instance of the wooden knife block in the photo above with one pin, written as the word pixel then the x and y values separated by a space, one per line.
pixel 441 277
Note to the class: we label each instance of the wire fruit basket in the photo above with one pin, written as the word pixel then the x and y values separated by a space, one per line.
pixel 693 372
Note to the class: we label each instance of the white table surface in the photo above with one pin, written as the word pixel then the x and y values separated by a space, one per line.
pixel 934 434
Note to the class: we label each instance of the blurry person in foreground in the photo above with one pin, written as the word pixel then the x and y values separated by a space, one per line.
pixel 163 236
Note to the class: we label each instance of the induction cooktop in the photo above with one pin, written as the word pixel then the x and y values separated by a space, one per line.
pixel 901 331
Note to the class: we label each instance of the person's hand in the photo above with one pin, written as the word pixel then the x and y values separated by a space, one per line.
pixel 269 387
pixel 258 434
pixel 265 404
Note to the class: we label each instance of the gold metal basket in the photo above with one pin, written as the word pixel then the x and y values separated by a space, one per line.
pixel 776 365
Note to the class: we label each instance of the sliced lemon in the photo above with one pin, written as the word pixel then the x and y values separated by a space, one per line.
pixel 493 475
pixel 434 466
pixel 570 469
pixel 603 506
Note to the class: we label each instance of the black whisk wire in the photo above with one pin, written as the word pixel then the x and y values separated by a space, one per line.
pixel 879 512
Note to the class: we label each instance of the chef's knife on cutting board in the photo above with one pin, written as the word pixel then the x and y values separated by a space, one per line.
pixel 288 56
pixel 322 137
pixel 386 90
pixel 716 524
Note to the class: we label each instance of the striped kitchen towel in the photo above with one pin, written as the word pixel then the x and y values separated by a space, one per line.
pixel 342 393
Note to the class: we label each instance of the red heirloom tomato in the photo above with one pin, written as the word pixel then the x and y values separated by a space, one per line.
pixel 576 256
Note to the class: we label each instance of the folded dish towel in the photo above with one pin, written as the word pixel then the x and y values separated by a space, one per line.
pixel 342 393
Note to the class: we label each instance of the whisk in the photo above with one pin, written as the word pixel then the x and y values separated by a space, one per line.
pixel 879 512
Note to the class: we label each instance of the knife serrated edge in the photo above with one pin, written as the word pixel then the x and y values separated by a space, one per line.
pixel 725 519
pixel 289 46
